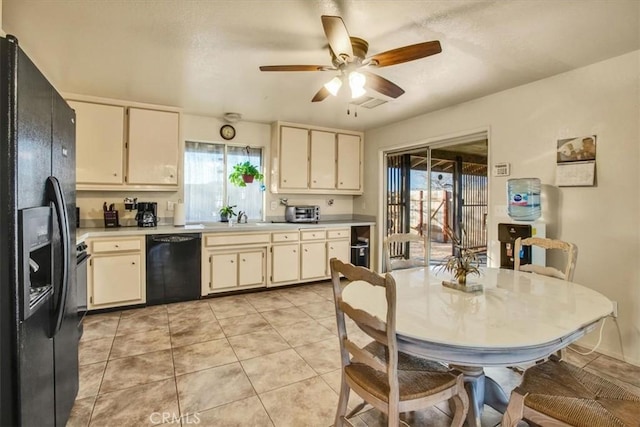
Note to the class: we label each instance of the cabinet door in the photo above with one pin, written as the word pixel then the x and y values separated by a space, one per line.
pixel 294 157
pixel 115 279
pixel 99 143
pixel 251 268
pixel 323 160
pixel 285 263
pixel 153 147
pixel 348 162
pixel 340 249
pixel 224 270
pixel 313 260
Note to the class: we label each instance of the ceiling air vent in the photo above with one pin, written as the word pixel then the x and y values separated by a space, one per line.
pixel 368 102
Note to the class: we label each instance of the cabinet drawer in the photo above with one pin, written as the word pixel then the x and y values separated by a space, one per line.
pixel 235 239
pixel 342 233
pixel 313 235
pixel 100 246
pixel 285 237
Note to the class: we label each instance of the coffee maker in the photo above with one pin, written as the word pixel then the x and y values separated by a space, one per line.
pixel 147 215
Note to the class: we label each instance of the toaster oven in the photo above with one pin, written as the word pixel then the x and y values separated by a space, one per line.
pixel 302 213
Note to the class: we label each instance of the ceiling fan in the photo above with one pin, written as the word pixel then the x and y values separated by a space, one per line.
pixel 348 58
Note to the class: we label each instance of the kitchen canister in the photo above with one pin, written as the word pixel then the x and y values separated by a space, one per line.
pixel 524 199
pixel 178 214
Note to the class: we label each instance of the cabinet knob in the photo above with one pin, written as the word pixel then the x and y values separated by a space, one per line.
pixel 231 261
pixel 133 263
pixel 306 250
pixel 294 251
pixel 340 182
pixel 244 260
pixel 284 180
pixel 314 181
pixel 115 174
pixel 117 246
pixel 171 176
pixel 286 237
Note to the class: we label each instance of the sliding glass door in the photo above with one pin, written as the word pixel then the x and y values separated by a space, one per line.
pixel 434 190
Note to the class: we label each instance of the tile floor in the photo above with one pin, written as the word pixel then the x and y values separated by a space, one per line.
pixel 259 359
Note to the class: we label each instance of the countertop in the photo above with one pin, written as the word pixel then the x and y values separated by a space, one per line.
pixel 214 227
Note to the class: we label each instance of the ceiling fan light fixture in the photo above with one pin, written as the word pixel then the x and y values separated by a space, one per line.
pixel 333 85
pixel 356 83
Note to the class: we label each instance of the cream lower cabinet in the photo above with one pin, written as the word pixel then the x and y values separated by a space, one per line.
pixel 285 258
pixel 233 261
pixel 313 254
pixel 116 272
pixel 338 246
pixel 235 269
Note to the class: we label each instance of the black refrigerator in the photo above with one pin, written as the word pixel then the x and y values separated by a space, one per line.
pixel 38 311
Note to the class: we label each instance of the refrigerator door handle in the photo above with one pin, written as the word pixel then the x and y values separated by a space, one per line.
pixel 56 196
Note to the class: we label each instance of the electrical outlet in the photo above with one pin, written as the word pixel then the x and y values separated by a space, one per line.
pixel 170 205
pixel 615 309
pixel 274 205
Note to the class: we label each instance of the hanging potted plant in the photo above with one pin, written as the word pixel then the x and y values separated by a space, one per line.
pixel 226 212
pixel 244 173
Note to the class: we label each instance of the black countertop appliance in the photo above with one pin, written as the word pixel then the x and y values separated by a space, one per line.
pixel 38 312
pixel 147 215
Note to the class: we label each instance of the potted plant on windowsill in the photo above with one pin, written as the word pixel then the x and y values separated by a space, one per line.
pixel 244 173
pixel 462 263
pixel 226 212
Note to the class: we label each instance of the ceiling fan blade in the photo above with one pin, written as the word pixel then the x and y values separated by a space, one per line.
pixel 382 85
pixel 295 68
pixel 406 53
pixel 337 35
pixel 321 95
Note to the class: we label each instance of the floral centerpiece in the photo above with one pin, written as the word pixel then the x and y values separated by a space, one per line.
pixel 461 264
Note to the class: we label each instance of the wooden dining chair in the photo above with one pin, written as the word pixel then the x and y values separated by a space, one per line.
pixel 391 381
pixel 556 393
pixel 570 249
pixel 393 263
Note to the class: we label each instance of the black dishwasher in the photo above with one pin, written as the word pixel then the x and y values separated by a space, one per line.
pixel 173 268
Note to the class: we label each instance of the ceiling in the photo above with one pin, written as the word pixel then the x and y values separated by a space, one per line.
pixel 203 55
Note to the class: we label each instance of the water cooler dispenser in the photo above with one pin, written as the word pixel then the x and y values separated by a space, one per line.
pixel 524 209
pixel 507 235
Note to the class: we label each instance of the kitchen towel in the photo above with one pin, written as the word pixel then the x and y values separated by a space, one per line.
pixel 178 214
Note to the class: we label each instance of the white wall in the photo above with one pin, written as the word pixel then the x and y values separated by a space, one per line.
pixel 524 124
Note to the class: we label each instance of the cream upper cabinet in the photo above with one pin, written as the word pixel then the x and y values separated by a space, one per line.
pixel 99 143
pixel 294 155
pixel 322 167
pixel 313 160
pixel 153 147
pixel 349 162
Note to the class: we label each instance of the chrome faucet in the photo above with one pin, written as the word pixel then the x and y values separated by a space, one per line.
pixel 242 217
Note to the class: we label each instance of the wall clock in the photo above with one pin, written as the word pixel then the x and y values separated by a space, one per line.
pixel 227 132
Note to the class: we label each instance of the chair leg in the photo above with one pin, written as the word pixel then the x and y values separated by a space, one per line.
pixel 515 410
pixel 342 403
pixel 460 405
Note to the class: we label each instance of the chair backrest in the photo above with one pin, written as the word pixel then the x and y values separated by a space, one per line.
pixel 570 249
pixel 383 331
pixel 405 239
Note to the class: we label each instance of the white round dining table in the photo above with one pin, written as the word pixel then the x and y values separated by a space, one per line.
pixel 516 318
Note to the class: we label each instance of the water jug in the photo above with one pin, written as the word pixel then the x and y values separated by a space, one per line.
pixel 524 199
